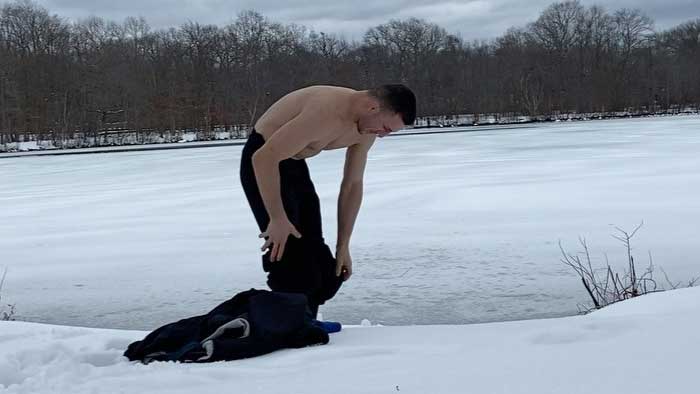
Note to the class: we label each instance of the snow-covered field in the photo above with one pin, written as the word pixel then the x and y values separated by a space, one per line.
pixel 648 345
pixel 455 228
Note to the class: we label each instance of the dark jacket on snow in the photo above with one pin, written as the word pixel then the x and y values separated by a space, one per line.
pixel 252 323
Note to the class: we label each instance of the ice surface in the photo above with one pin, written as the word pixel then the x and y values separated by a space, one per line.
pixel 454 228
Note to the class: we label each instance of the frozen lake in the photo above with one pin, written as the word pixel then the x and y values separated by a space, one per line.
pixel 454 228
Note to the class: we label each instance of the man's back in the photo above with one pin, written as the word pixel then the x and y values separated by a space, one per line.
pixel 333 127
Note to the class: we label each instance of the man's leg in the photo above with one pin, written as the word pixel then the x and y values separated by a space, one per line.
pixel 307 265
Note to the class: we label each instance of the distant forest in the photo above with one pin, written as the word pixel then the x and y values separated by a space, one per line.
pixel 59 77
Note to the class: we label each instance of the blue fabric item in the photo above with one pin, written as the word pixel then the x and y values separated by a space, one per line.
pixel 329 327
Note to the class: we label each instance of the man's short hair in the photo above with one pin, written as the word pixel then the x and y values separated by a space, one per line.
pixel 397 98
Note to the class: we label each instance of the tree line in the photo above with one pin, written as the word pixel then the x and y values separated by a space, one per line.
pixel 59 77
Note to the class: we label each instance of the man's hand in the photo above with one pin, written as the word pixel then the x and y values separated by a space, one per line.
pixel 344 263
pixel 276 237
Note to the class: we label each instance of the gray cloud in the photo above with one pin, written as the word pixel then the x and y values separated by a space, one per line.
pixel 471 19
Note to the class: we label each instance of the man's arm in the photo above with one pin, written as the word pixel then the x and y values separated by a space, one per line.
pixel 287 141
pixel 349 200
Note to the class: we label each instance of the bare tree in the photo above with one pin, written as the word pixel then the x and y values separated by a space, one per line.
pixel 407 50
pixel 103 81
pixel 679 48
pixel 331 50
pixel 557 30
pixel 633 29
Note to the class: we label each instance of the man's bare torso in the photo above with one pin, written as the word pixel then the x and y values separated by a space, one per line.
pixel 333 108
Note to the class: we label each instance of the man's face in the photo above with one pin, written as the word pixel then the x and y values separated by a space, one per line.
pixel 381 123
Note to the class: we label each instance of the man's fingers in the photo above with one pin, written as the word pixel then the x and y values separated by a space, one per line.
pixel 266 245
pixel 273 255
pixel 338 268
pixel 280 252
pixel 263 235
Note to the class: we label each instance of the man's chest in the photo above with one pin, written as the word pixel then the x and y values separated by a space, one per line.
pixel 342 139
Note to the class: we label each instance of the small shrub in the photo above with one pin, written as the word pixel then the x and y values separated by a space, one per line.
pixel 606 286
pixel 10 312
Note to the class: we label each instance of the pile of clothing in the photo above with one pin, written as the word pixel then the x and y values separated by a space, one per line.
pixel 252 323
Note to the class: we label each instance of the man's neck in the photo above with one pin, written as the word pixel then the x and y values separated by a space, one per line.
pixel 358 104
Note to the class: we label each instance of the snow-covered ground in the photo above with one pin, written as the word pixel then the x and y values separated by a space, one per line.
pixel 455 228
pixel 119 148
pixel 648 345
pixel 123 139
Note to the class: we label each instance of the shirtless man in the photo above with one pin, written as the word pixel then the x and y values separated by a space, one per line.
pixel 278 187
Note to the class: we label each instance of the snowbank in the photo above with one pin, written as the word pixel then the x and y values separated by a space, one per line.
pixel 645 345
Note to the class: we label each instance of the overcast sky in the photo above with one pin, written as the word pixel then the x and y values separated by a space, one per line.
pixel 480 19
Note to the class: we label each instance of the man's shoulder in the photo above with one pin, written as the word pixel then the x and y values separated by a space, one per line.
pixel 325 104
pixel 324 94
pixel 336 88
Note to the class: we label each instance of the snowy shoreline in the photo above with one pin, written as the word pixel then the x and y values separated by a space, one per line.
pixel 31 152
pixel 647 345
pixel 443 124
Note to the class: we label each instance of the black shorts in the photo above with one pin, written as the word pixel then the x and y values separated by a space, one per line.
pixel 307 266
